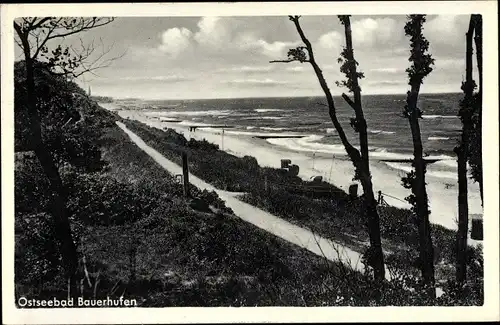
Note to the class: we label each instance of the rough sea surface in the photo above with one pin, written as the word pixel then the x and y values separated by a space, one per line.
pixel 389 132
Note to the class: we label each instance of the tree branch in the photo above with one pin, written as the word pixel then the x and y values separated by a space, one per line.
pixel 94 23
pixel 284 61
pixel 47 38
pixel 352 152
pixel 349 101
pixel 34 34
pixel 40 23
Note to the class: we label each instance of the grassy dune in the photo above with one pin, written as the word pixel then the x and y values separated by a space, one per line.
pixel 139 237
pixel 328 212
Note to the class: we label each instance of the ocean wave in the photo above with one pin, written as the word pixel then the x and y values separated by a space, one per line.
pixel 440 157
pixel 189 113
pixel 380 132
pixel 256 133
pixel 330 130
pixel 379 149
pixel 437 138
pixel 272 129
pixel 406 167
pixel 265 110
pixel 166 119
pixel 306 145
pixel 441 169
pixel 430 117
pixel 197 124
pixel 446 163
pixel 257 118
pixel 310 144
pixel 382 153
pixel 400 166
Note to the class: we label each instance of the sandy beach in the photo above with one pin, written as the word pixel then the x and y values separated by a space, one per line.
pixel 442 192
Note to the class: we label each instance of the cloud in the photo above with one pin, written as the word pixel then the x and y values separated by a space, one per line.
pixel 387 70
pixel 446 35
pixel 175 40
pixel 214 32
pixel 296 69
pixel 257 82
pixel 387 82
pixel 376 32
pixel 446 27
pixel 248 69
pixel 224 37
pixel 233 52
pixel 331 40
pixel 166 78
pixel 251 42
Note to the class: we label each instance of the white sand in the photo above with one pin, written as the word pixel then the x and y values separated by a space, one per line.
pixel 442 197
pixel 262 219
pixel 296 235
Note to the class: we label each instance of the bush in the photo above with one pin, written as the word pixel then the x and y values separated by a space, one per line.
pixel 37 254
pixel 202 145
pixel 97 199
pixel 70 122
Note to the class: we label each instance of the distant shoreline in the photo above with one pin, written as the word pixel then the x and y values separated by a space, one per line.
pixel 257 97
pixel 338 171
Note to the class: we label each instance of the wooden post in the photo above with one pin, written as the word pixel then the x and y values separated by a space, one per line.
pixel 353 191
pixel 477 227
pixel 222 144
pixel 185 174
pixel 379 197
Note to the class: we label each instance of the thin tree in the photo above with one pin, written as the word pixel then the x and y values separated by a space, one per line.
pixel 421 66
pixel 466 112
pixel 359 159
pixel 475 146
pixel 33 36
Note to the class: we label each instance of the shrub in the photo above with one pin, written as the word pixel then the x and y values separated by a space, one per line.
pixel 97 199
pixel 37 254
pixel 202 145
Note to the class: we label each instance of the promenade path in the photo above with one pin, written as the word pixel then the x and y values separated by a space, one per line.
pixel 258 217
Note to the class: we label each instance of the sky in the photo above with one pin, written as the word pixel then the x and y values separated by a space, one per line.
pixel 224 57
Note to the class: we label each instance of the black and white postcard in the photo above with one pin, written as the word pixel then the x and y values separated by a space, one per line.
pixel 330 161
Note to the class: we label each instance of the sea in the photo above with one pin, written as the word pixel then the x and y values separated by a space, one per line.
pixel 389 134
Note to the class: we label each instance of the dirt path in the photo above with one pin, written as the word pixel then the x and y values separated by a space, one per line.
pixel 260 218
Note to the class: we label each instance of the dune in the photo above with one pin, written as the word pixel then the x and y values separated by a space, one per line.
pixel 442 191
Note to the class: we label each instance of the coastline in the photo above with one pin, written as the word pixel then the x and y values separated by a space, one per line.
pixel 337 170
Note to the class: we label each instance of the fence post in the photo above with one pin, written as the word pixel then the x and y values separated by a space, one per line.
pixel 222 141
pixel 185 173
pixel 379 197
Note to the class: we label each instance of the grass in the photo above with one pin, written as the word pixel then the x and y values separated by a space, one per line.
pixel 139 237
pixel 330 213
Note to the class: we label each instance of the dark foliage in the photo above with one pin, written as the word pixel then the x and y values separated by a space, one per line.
pixel 69 128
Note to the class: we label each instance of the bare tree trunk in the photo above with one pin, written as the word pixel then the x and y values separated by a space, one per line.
pixel 466 116
pixel 479 57
pixel 58 199
pixel 479 48
pixel 377 256
pixel 426 256
pixel 419 69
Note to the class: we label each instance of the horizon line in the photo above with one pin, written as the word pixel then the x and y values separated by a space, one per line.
pixel 278 96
